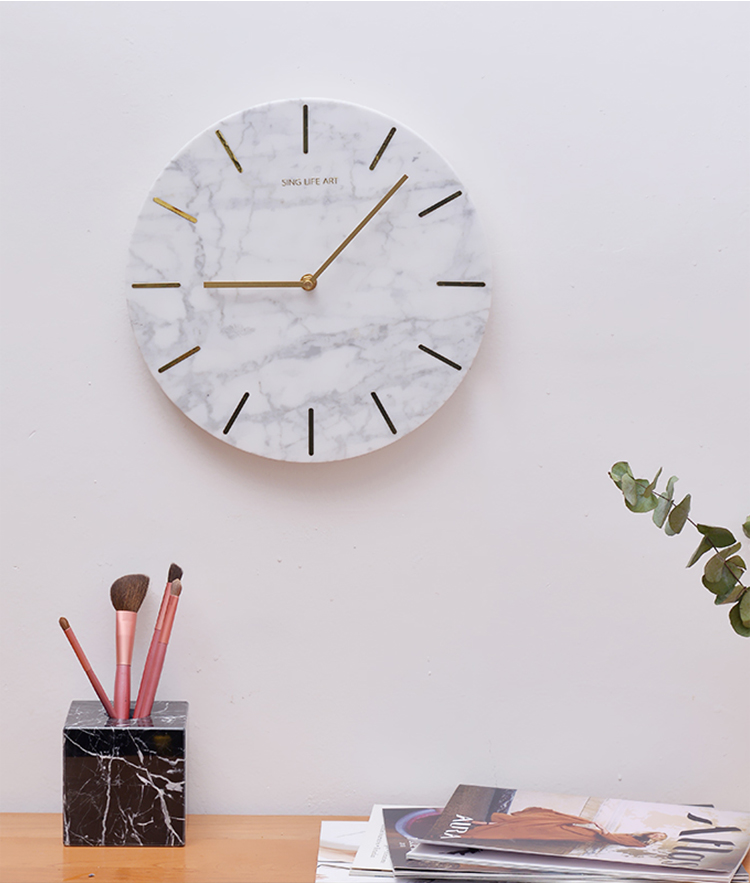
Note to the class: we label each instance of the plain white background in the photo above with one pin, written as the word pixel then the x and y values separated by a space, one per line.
pixel 473 603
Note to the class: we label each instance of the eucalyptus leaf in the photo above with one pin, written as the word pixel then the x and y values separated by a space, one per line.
pixel 629 489
pixel 736 620
pixel 716 565
pixel 719 536
pixel 618 470
pixel 705 546
pixel 746 527
pixel 744 608
pixel 650 488
pixel 640 498
pixel 731 596
pixel 664 503
pixel 721 586
pixel 736 566
pixel 678 517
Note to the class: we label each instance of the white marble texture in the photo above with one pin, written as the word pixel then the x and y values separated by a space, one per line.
pixel 358 332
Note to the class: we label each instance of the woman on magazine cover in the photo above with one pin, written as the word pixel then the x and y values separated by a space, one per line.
pixel 538 823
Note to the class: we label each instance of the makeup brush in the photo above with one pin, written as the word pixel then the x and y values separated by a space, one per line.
pixel 175 572
pixel 78 650
pixel 149 690
pixel 127 594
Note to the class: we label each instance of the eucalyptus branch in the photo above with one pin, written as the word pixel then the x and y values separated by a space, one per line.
pixel 709 543
pixel 723 572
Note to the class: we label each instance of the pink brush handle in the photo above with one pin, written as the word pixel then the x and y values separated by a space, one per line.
pixel 125 635
pixel 95 682
pixel 154 673
pixel 104 699
pixel 122 692
pixel 147 674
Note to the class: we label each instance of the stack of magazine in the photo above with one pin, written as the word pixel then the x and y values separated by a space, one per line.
pixel 514 836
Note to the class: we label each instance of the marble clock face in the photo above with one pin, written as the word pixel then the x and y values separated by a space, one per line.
pixel 309 281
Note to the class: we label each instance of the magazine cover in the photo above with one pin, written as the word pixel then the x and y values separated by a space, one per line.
pixel 666 836
pixel 403 828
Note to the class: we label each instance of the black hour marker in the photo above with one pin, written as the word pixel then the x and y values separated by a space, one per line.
pixel 438 356
pixel 310 431
pixel 236 413
pixel 304 129
pixel 439 204
pixel 229 151
pixel 177 211
pixel 463 284
pixel 382 148
pixel 179 359
pixel 155 285
pixel 383 412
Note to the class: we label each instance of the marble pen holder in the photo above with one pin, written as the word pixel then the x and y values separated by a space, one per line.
pixel 124 781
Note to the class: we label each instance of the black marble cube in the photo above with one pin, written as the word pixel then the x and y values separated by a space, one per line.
pixel 124 782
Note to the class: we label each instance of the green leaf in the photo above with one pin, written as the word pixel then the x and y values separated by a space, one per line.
pixel 640 498
pixel 664 503
pixel 705 546
pixel 628 488
pixel 719 536
pixel 650 488
pixel 734 594
pixel 746 527
pixel 722 586
pixel 716 565
pixel 618 470
pixel 722 576
pixel 736 620
pixel 678 517
pixel 713 538
pixel 744 608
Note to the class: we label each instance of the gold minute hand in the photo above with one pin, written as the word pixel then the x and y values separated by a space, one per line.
pixel 356 230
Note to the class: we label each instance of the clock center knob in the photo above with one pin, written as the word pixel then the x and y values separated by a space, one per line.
pixel 308 282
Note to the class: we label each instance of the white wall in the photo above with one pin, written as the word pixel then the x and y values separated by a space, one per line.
pixel 473 603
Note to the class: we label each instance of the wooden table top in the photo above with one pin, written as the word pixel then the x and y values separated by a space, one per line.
pixel 219 849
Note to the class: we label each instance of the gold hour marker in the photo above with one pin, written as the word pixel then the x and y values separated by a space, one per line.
pixel 440 358
pixel 179 359
pixel 382 148
pixel 460 284
pixel 177 211
pixel 441 203
pixel 383 412
pixel 229 151
pixel 310 431
pixel 155 285
pixel 236 413
pixel 305 142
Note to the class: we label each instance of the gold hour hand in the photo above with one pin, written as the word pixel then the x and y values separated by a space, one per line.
pixel 307 282
pixel 357 229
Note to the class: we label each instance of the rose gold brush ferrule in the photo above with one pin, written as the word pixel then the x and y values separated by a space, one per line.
pixel 125 635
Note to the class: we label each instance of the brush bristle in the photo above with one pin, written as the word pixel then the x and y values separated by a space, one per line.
pixel 64 624
pixel 176 587
pixel 175 572
pixel 128 592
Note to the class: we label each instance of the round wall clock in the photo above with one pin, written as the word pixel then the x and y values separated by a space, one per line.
pixel 309 280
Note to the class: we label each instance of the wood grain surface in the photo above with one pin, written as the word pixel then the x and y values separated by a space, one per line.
pixel 219 849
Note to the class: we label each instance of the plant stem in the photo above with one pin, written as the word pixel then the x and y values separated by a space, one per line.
pixel 672 504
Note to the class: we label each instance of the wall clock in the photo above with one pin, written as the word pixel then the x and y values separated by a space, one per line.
pixel 309 281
